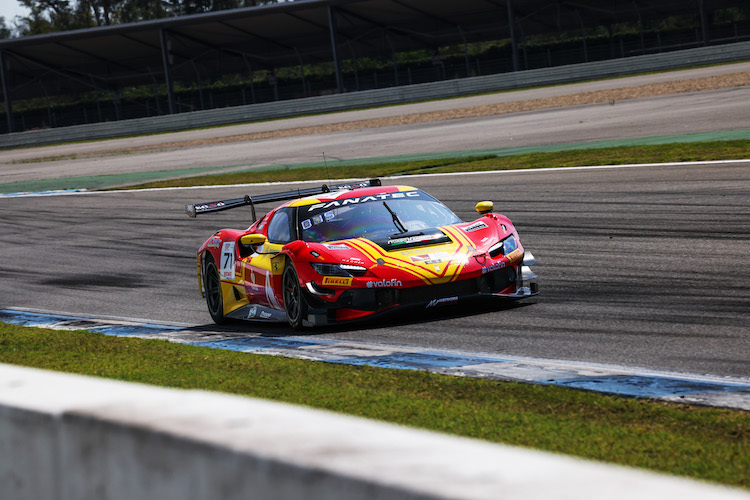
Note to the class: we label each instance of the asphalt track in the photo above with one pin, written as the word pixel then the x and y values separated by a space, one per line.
pixel 642 266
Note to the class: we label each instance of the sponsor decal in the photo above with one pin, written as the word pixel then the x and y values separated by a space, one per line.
pixel 254 313
pixel 430 258
pixel 475 227
pixel 493 267
pixel 445 300
pixel 392 283
pixel 353 185
pixel 514 254
pixel 270 295
pixel 314 254
pixel 214 242
pixel 210 205
pixel 339 246
pixel 337 281
pixel 227 260
pixel 415 239
pixel 318 219
pixel 362 199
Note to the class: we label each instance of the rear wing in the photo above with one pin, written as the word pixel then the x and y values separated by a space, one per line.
pixel 217 206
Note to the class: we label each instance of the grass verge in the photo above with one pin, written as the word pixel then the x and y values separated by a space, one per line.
pixel 662 153
pixel 704 443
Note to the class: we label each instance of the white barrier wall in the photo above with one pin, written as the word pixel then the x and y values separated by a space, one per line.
pixel 70 437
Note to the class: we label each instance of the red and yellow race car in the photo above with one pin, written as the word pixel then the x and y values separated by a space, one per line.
pixel 346 252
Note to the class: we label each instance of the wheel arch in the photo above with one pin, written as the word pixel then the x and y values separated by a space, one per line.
pixel 202 258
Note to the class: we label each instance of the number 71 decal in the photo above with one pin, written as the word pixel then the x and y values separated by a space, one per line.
pixel 227 260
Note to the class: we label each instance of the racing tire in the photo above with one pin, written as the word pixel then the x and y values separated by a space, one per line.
pixel 212 285
pixel 295 304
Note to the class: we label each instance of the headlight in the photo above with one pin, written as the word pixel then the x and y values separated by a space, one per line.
pixel 344 270
pixel 504 247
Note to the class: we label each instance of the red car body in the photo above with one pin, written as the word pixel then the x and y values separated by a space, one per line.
pixel 347 254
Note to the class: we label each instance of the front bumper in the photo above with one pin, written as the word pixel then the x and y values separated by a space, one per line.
pixel 513 283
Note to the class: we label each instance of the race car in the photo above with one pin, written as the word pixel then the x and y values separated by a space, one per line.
pixel 340 253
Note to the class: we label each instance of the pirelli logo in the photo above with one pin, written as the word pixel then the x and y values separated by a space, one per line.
pixel 336 281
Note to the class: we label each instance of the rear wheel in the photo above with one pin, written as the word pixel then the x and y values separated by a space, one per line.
pixel 212 284
pixel 294 302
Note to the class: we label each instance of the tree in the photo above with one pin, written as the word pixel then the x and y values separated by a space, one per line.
pixel 134 11
pixel 5 31
pixel 48 16
pixel 94 12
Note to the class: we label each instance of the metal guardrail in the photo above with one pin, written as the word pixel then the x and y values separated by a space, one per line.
pixel 381 97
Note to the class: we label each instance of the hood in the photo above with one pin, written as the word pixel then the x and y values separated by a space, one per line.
pixel 430 256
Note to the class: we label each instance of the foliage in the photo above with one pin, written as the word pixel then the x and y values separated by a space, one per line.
pixel 46 16
pixel 5 31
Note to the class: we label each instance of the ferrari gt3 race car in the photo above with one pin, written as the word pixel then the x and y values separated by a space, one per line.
pixel 340 253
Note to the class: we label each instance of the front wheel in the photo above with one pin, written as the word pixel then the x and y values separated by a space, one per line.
pixel 294 302
pixel 214 297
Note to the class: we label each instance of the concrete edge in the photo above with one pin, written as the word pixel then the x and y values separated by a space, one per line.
pixel 628 381
pixel 68 436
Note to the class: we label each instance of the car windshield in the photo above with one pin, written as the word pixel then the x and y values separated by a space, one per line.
pixel 377 216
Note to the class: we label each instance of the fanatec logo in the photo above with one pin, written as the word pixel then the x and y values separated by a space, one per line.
pixel 384 283
pixel 364 199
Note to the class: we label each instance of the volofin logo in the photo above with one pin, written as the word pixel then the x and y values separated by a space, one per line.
pixel 384 283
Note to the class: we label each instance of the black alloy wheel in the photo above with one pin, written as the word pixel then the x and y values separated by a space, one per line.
pixel 212 284
pixel 294 302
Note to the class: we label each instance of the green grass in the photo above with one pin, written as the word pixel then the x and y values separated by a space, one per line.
pixel 662 153
pixel 705 443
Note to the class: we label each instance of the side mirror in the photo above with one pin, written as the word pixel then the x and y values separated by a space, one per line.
pixel 249 244
pixel 252 240
pixel 484 207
